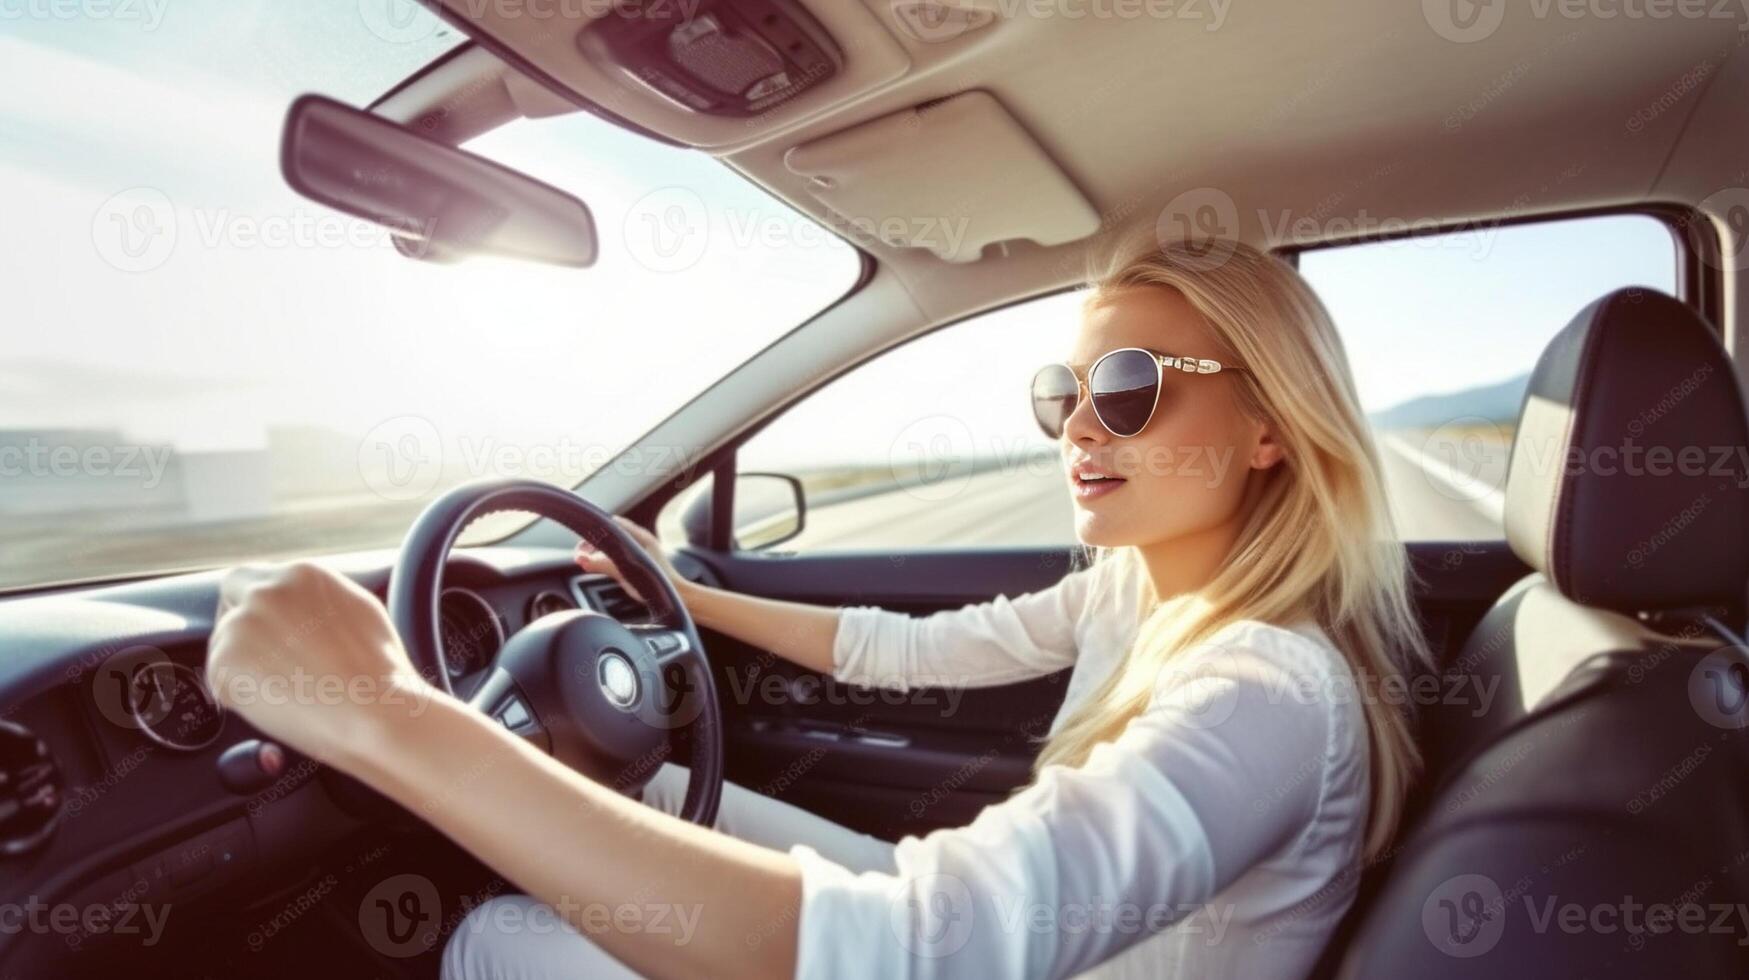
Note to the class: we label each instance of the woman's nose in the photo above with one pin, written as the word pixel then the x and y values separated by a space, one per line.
pixel 1083 428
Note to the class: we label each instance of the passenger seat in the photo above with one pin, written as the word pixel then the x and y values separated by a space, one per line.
pixel 1610 774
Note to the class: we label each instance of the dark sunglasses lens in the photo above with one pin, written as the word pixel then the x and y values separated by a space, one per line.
pixel 1124 386
pixel 1054 393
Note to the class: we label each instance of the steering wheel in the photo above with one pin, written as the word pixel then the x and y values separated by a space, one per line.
pixel 600 696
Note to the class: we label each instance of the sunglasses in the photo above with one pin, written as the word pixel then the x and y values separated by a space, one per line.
pixel 1124 386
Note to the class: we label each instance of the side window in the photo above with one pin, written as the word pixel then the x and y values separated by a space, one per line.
pixel 1442 332
pixel 932 444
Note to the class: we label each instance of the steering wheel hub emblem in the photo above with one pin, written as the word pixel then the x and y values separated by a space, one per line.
pixel 619 680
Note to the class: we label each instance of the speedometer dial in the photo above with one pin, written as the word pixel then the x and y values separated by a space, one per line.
pixel 469 631
pixel 171 705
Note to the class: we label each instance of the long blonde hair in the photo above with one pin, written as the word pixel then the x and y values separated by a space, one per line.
pixel 1318 542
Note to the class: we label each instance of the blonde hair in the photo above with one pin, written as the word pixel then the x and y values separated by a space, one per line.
pixel 1318 541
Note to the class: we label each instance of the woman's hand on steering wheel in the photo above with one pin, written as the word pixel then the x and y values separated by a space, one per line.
pixel 592 559
pixel 311 659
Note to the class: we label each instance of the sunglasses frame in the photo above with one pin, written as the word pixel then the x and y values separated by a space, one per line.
pixel 1162 361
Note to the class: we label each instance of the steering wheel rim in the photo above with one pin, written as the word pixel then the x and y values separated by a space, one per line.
pixel 552 667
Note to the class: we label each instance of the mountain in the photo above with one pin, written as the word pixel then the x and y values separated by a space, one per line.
pixel 1496 402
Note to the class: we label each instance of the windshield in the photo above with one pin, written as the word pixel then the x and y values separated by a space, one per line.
pixel 201 367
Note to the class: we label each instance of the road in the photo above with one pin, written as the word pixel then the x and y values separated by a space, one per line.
pixel 1026 508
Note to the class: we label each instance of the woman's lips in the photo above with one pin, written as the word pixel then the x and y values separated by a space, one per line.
pixel 1088 488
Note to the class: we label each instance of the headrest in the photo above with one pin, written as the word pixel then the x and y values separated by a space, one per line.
pixel 1629 480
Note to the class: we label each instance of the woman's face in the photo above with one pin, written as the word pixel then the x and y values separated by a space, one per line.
pixel 1186 471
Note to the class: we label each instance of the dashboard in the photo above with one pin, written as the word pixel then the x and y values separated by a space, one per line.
pixel 119 780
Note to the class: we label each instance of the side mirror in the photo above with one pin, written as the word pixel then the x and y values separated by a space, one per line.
pixel 441 202
pixel 770 508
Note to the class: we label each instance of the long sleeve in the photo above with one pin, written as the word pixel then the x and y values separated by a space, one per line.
pixel 996 642
pixel 1227 766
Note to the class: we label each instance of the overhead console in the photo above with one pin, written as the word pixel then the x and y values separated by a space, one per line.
pixel 720 57
pixel 709 73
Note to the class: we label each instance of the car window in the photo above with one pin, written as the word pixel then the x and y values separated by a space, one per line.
pixel 932 444
pixel 202 367
pixel 1442 332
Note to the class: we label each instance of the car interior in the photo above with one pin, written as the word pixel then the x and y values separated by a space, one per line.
pixel 976 156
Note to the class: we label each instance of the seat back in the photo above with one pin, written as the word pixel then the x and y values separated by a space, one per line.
pixel 1608 772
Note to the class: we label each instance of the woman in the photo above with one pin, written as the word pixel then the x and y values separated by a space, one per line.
pixel 1222 766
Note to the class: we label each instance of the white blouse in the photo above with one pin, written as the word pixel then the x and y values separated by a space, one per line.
pixel 1219 836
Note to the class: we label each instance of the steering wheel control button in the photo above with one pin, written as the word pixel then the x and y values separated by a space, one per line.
pixel 515 715
pixel 661 644
pixel 619 679
pixel 250 766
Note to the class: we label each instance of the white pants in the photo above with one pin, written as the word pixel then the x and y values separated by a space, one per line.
pixel 487 946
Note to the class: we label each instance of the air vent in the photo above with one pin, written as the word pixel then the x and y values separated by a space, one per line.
pixel 30 790
pixel 612 599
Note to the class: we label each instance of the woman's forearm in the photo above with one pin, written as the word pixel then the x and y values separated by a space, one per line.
pixel 795 631
pixel 665 897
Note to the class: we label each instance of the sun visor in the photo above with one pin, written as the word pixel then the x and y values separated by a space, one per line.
pixel 951 176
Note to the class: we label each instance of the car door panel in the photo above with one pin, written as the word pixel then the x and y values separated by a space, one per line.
pixel 892 764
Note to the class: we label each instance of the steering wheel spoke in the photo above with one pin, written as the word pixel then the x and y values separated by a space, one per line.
pixel 498 697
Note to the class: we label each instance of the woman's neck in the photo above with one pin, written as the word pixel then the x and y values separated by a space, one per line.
pixel 1185 564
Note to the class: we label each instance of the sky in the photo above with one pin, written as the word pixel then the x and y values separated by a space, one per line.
pixel 163 280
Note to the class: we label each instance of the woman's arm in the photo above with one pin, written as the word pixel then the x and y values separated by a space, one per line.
pixel 795 631
pixel 980 645
pixel 289 636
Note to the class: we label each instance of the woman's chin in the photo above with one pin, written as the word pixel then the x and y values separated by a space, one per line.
pixel 1097 531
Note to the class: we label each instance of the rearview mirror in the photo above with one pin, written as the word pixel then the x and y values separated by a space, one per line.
pixel 439 201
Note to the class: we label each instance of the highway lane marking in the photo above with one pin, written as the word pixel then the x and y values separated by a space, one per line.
pixel 1486 497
